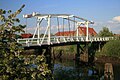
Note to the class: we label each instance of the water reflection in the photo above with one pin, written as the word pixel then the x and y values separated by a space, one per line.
pixel 116 71
pixel 69 70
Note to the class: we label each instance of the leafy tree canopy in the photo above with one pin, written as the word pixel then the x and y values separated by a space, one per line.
pixel 13 65
pixel 105 32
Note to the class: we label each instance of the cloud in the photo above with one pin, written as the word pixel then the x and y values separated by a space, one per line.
pixel 113 25
pixel 117 18
pixel 111 22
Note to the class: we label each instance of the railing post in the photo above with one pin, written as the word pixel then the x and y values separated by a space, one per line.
pixel 47 55
pixel 77 55
pixel 27 42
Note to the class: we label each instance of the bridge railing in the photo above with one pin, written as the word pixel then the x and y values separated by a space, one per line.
pixel 60 39
pixel 100 38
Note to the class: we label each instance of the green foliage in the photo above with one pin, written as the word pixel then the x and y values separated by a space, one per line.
pixel 71 49
pixel 105 32
pixel 112 48
pixel 14 65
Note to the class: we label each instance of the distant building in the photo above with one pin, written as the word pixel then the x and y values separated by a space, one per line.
pixel 117 35
pixel 26 35
pixel 81 32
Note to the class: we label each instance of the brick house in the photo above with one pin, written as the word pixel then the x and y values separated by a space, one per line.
pixel 81 32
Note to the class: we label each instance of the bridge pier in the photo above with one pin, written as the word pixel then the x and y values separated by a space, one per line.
pixel 46 51
pixel 108 72
pixel 85 50
pixel 77 55
pixel 47 55
pixel 92 50
pixel 82 52
pixel 39 51
pixel 99 47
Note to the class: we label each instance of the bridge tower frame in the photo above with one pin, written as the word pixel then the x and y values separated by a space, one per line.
pixel 41 17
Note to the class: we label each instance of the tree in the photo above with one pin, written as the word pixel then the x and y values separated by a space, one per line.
pixel 14 65
pixel 105 32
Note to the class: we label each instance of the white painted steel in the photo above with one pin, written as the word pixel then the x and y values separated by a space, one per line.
pixel 59 39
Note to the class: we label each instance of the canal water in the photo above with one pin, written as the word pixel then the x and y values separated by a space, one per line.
pixel 70 70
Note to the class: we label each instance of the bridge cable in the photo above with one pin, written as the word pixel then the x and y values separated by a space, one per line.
pixel 74 27
pixel 26 26
pixel 63 26
pixel 69 25
pixel 58 25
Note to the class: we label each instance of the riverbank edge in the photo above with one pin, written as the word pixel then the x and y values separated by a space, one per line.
pixel 107 59
pixel 98 59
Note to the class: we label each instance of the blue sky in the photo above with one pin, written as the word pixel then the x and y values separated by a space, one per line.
pixel 102 12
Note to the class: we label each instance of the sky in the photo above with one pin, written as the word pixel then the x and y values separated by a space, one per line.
pixel 105 13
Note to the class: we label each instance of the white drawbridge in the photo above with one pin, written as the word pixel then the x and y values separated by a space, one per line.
pixel 50 39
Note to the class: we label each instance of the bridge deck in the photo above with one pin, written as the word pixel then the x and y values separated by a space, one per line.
pixel 59 40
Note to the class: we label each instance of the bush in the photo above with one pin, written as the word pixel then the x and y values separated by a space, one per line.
pixel 112 48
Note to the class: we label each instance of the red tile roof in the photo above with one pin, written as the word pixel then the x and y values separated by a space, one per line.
pixel 117 35
pixel 65 33
pixel 26 35
pixel 82 31
pixel 91 31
